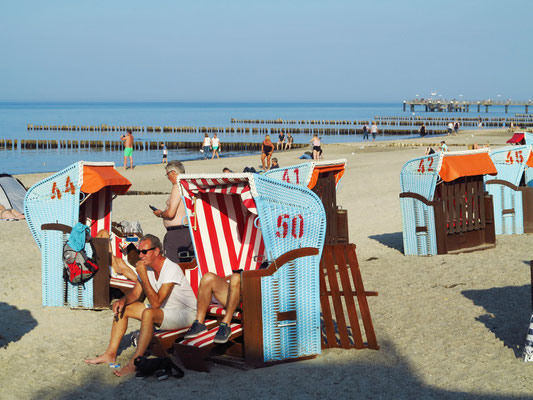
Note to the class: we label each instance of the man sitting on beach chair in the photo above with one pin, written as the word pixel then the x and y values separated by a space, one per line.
pixel 227 293
pixel 172 302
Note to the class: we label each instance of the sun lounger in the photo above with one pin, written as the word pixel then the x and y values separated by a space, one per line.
pixel 238 221
pixel 511 190
pixel 83 192
pixel 444 204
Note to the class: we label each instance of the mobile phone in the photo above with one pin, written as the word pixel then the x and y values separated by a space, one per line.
pixel 153 208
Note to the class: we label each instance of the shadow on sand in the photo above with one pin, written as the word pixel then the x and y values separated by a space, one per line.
pixel 23 322
pixel 508 313
pixel 392 240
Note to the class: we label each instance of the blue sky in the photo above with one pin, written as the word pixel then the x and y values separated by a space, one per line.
pixel 316 51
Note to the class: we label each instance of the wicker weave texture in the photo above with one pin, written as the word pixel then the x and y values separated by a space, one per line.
pixel 419 175
pixel 296 174
pixel 510 163
pixel 291 217
pixel 51 201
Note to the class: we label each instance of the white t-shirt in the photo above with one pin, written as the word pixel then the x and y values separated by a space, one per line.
pixel 215 142
pixel 207 142
pixel 374 128
pixel 181 295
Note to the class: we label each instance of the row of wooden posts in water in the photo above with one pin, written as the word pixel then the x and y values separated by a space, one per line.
pixel 118 145
pixel 292 130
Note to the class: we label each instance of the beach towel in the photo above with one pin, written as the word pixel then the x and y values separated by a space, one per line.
pixel 78 237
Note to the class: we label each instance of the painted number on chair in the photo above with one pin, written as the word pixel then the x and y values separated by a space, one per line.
pixel 287 178
pixel 69 188
pixel 518 157
pixel 426 165
pixel 297 226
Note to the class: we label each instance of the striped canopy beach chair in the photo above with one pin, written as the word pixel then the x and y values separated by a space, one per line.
pixel 323 178
pixel 512 189
pixel 82 192
pixel 240 221
pixel 444 204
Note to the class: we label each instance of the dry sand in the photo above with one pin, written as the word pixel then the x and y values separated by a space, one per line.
pixel 449 326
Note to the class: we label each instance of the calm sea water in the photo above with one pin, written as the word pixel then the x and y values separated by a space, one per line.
pixel 14 118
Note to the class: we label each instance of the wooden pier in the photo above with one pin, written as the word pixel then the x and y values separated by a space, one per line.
pixel 434 105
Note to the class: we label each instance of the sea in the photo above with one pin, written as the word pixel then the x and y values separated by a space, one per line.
pixel 15 117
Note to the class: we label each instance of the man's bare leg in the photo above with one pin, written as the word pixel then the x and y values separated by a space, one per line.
pixel 233 297
pixel 148 318
pixel 210 285
pixel 118 329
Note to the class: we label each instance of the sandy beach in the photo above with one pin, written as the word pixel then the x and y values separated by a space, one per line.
pixel 450 326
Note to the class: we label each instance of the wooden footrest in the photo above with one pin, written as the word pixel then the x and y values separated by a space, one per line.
pixel 193 352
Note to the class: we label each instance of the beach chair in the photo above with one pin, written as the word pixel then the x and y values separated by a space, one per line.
pixel 323 178
pixel 240 221
pixel 82 192
pixel 444 204
pixel 511 190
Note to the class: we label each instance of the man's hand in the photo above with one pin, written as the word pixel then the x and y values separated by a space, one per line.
pixel 158 213
pixel 118 307
pixel 141 270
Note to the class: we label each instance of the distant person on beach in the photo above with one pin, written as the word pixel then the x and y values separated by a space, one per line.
pixel 274 163
pixel 267 148
pixel 480 123
pixel 10 213
pixel 128 148
pixel 206 146
pixel 215 144
pixel 443 146
pixel 456 127
pixel 290 140
pixel 374 130
pixel 172 303
pixel 177 242
pixel 315 141
pixel 450 128
pixel 365 132
pixel 281 140
pixel 165 153
pixel 422 130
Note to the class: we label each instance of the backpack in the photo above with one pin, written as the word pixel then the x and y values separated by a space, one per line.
pixel 77 267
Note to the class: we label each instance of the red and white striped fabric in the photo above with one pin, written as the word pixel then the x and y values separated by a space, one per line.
pixel 206 338
pixel 217 309
pixel 121 282
pixel 210 323
pixel 222 213
pixel 95 212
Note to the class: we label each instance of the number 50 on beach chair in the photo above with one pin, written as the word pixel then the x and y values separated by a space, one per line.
pixel 239 221
pixel 82 192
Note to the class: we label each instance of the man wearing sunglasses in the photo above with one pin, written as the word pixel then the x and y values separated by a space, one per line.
pixel 172 302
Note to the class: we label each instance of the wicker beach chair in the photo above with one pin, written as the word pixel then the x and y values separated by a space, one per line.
pixel 323 178
pixel 239 221
pixel 82 192
pixel 511 192
pixel 444 205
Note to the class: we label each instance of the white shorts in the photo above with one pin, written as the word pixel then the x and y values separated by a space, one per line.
pixel 177 318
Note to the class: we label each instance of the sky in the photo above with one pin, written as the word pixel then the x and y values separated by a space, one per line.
pixel 264 51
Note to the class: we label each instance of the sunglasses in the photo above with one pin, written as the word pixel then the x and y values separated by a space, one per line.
pixel 145 251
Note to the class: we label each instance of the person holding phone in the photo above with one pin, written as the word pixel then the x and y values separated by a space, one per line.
pixel 177 242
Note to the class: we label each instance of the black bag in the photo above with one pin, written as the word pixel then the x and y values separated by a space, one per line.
pixel 161 367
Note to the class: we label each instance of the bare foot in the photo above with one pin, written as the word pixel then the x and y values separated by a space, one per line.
pixel 128 369
pixel 104 358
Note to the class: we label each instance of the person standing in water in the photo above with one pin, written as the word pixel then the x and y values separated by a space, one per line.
pixel 128 148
